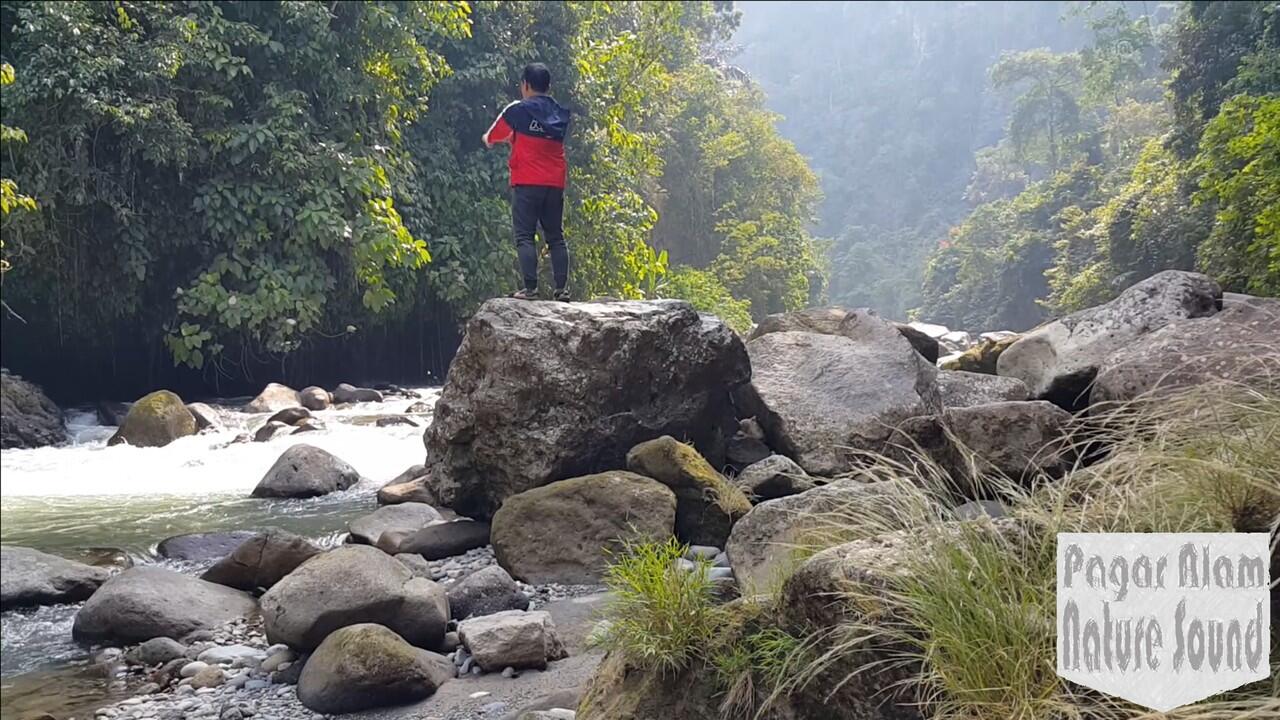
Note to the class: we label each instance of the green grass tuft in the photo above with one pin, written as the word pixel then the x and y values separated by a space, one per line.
pixel 658 615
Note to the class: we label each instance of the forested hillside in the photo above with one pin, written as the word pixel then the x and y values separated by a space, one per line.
pixel 989 164
pixel 299 189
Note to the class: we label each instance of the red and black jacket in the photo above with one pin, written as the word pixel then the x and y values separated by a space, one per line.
pixel 535 128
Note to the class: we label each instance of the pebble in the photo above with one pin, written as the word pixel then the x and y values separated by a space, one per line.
pixel 191 668
pixel 722 560
pixel 718 573
pixel 508 672
pixel 698 552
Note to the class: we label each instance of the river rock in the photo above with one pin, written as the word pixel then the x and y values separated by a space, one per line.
pixel 155 420
pixel 963 389
pixel 747 446
pixel 28 418
pixel 146 601
pixel 438 541
pixel 315 398
pixel 823 398
pixel 981 358
pixel 1239 345
pixel 308 425
pixel 417 490
pixel 813 600
pixel 394 420
pixel 207 417
pixel 541 391
pixel 271 430
pixel 404 518
pixel 274 397
pixel 156 651
pixel 707 505
pixel 346 393
pixel 366 666
pixel 765 544
pixel 202 547
pixel 290 416
pixel 261 561
pixel 209 677
pixel 31 577
pixel 306 471
pixel 1059 360
pixel 421 407
pixel 1013 440
pixel 562 532
pixel 774 477
pixel 832 321
pixel 417 565
pixel 349 585
pixel 512 638
pixel 484 592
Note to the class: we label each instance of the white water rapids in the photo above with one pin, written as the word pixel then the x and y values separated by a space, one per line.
pixel 83 495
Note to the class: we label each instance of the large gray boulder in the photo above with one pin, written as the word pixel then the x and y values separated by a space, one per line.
pixel 31 577
pixel 350 585
pixel 155 420
pixel 1058 360
pixel 563 532
pixel 273 398
pixel 707 505
pixel 262 560
pixel 347 393
pixel 541 391
pixel 963 389
pixel 484 592
pixel 823 398
pixel 28 418
pixel 1240 345
pixel 766 545
pixel 996 441
pixel 773 477
pixel 438 540
pixel 202 547
pixel 147 601
pixel 831 321
pixel 366 666
pixel 404 518
pixel 513 638
pixel 306 471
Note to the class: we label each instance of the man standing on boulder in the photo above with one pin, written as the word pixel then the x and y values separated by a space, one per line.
pixel 535 127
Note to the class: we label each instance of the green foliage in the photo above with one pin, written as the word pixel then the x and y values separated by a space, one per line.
pixel 707 294
pixel 245 178
pixel 1239 171
pixel 10 199
pixel 1149 204
pixel 1045 121
pixel 658 615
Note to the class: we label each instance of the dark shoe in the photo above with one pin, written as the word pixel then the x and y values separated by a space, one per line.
pixel 562 295
pixel 525 294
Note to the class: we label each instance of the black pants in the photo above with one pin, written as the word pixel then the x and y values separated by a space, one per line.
pixel 533 205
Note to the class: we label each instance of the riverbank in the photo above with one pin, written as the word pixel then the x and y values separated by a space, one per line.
pixel 88 501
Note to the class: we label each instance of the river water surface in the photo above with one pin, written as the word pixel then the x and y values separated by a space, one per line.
pixel 73 499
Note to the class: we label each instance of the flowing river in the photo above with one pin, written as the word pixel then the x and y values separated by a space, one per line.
pixel 84 499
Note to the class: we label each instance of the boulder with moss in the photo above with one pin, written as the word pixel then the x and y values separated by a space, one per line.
pixel 707 505
pixel 980 358
pixel 564 532
pixel 156 420
pixel 366 666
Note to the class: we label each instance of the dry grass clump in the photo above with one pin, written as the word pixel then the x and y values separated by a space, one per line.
pixel 974 614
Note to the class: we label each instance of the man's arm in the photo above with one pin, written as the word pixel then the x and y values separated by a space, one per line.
pixel 499 131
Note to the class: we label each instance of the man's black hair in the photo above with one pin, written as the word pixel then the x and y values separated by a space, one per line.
pixel 538 77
